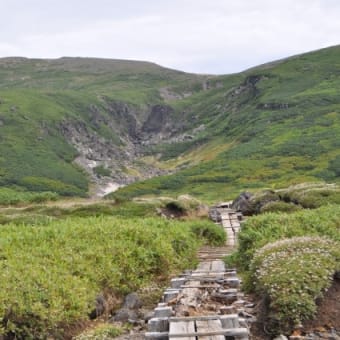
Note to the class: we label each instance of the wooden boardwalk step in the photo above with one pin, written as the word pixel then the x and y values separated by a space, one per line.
pixel 183 327
pixel 186 313
pixel 208 326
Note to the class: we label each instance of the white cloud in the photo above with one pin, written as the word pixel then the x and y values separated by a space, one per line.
pixel 215 36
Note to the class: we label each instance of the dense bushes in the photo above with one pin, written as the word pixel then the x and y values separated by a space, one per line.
pixel 47 184
pixel 101 171
pixel 52 273
pixel 293 273
pixel 290 258
pixel 260 230
pixel 12 197
pixel 212 234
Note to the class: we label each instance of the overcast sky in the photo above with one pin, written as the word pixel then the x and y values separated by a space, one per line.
pixel 203 36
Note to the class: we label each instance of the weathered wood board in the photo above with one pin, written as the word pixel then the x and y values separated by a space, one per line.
pixel 182 327
pixel 209 326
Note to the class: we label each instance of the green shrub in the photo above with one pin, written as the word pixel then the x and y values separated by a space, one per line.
pixel 213 234
pixel 46 184
pixel 277 206
pixel 262 229
pixel 44 197
pixel 293 273
pixel 71 261
pixel 101 171
pixel 12 197
pixel 312 195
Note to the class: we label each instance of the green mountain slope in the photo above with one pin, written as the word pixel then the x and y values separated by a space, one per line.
pixel 53 112
pixel 274 125
pixel 69 122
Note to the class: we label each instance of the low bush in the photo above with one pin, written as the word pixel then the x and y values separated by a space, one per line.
pixel 46 184
pixel 262 229
pixel 213 234
pixel 100 171
pixel 52 272
pixel 312 195
pixel 277 206
pixel 293 273
pixel 13 197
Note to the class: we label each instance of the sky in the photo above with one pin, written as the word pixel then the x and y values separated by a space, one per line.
pixel 201 36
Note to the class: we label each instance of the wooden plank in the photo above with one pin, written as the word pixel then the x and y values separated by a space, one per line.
pixel 158 325
pixel 206 326
pixel 204 266
pixel 201 286
pixel 182 327
pixel 217 265
pixel 194 318
pixel 237 332
pixel 157 335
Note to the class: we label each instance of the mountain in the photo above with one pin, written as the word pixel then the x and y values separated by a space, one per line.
pixel 65 121
pixel 69 122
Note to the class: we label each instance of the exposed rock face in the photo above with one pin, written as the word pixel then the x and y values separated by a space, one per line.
pixel 130 137
pixel 114 136
pixel 158 120
pixel 124 116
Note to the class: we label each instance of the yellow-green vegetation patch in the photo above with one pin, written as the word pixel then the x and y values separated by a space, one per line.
pixel 51 273
pixel 293 273
pixel 102 332
pixel 12 197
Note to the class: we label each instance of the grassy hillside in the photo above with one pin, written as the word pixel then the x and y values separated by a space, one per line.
pixel 271 126
pixel 38 97
pixel 274 125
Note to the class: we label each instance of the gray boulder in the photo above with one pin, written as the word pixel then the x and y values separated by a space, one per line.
pixel 132 301
pixel 125 315
pixel 243 203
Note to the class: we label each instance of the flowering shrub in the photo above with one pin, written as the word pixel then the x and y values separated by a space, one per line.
pixel 259 230
pixel 293 273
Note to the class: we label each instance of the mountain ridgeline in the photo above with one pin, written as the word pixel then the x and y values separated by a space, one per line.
pixel 75 125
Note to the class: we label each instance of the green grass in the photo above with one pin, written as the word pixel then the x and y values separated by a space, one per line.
pixel 72 260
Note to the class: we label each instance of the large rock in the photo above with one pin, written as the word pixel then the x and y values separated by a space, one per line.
pixel 250 204
pixel 130 309
pixel 100 307
pixel 158 119
pixel 132 301
pixel 126 315
pixel 243 203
